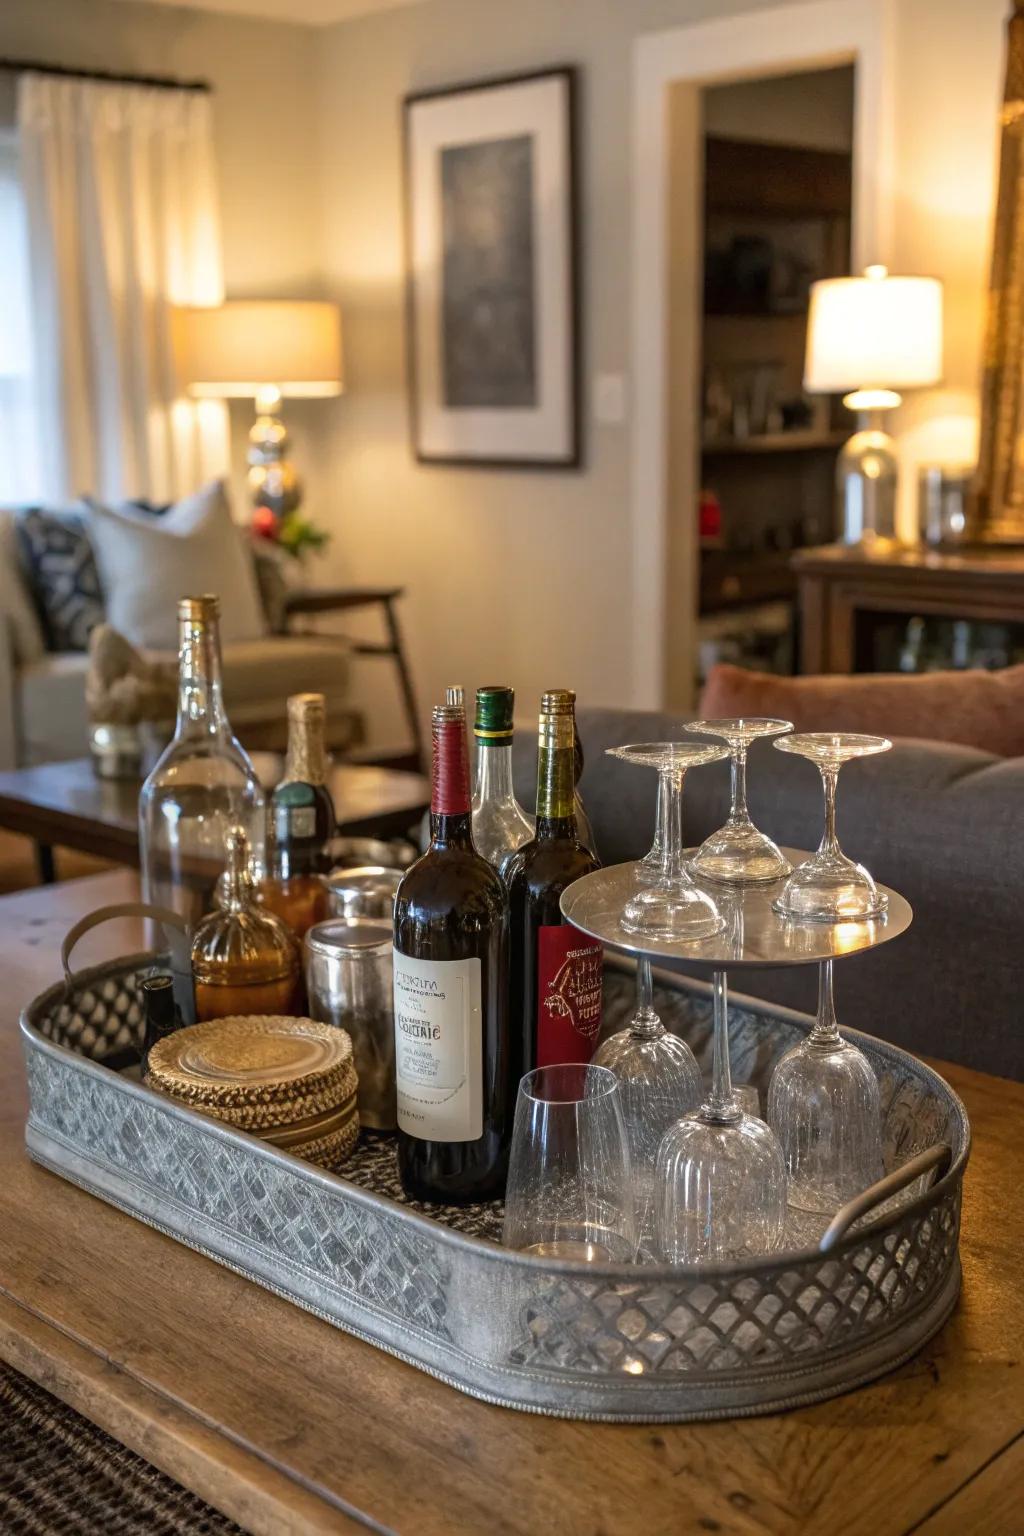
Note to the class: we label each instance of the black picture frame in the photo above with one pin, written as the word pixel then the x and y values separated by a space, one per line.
pixel 569 456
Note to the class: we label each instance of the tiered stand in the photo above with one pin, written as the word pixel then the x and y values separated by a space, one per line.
pixel 611 1341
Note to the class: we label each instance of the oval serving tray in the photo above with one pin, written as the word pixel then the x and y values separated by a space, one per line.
pixel 601 1341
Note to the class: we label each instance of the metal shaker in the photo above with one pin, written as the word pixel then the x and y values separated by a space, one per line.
pixel 368 891
pixel 349 983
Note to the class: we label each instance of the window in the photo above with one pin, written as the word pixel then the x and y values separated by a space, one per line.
pixel 20 478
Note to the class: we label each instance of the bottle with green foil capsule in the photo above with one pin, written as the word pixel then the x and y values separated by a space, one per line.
pixel 500 825
pixel 555 972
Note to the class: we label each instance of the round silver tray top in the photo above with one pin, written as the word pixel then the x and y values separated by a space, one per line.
pixel 753 934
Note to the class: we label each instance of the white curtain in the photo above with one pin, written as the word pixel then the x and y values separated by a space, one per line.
pixel 19 441
pixel 121 203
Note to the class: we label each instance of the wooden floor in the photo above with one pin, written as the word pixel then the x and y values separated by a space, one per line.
pixel 18 870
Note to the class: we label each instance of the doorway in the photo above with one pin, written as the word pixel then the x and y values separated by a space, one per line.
pixel 672 72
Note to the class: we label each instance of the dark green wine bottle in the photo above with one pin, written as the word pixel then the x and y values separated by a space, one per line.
pixel 555 971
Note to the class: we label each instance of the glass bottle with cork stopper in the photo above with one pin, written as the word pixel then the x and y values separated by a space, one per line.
pixel 302 821
pixel 244 960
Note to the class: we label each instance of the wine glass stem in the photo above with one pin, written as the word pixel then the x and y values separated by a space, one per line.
pixel 829 842
pixel 738 773
pixel 645 1023
pixel 722 1104
pixel 826 1026
pixel 661 815
pixel 674 867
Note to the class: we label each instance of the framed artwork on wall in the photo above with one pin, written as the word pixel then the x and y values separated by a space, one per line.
pixel 491 272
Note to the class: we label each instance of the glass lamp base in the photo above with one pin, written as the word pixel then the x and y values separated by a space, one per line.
pixel 823 1104
pixel 674 910
pixel 738 854
pixel 720 1190
pixel 830 888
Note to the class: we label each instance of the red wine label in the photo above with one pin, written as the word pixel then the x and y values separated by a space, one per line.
pixel 570 968
pixel 439 1048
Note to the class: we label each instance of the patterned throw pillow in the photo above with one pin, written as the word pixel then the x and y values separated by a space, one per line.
pixel 62 572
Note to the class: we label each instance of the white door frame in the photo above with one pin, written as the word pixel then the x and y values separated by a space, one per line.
pixel 777 41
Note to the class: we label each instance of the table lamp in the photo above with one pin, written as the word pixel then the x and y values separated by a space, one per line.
pixel 871 337
pixel 262 349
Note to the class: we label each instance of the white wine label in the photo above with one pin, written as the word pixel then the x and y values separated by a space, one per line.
pixel 439 1048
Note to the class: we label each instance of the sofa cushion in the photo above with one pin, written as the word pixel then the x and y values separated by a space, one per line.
pixel 975 708
pixel 16 606
pixel 146 563
pixel 61 567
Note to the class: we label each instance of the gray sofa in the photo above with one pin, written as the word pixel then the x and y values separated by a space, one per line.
pixel 42 693
pixel 942 824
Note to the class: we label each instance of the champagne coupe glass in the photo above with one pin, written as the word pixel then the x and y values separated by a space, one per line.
pixel 720 1176
pixel 570 1190
pixel 653 862
pixel 670 906
pixel 659 1080
pixel 829 887
pixel 823 1105
pixel 738 853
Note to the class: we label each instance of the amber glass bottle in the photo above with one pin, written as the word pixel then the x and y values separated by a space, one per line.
pixel 455 1093
pixel 555 971
pixel 302 821
pixel 244 959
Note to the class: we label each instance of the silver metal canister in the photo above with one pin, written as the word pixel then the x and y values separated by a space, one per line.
pixel 368 891
pixel 349 983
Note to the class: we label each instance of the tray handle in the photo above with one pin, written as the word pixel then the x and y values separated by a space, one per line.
pixel 938 1156
pixel 180 948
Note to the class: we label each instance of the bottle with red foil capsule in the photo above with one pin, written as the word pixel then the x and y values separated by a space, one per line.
pixel 556 971
pixel 452 1056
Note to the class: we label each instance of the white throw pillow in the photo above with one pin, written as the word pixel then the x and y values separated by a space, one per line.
pixel 146 563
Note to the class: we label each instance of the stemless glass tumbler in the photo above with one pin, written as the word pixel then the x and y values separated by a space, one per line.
pixel 823 1104
pixel 829 887
pixel 670 906
pixel 739 853
pixel 570 1192
pixel 659 1080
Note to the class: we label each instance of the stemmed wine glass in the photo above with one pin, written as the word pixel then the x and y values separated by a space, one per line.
pixel 659 1080
pixel 720 1176
pixel 823 1104
pixel 670 906
pixel 738 853
pixel 829 887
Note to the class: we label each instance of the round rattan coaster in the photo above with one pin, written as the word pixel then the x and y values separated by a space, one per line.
pixel 250 1060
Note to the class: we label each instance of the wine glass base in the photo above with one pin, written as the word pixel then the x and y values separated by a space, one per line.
pixel 674 911
pixel 830 888
pixel 738 854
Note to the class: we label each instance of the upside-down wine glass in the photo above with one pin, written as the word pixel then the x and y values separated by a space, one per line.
pixel 720 1176
pixel 659 1080
pixel 670 906
pixel 829 887
pixel 739 853
pixel 823 1105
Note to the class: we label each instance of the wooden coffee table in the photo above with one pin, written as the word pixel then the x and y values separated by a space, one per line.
pixel 292 1427
pixel 64 805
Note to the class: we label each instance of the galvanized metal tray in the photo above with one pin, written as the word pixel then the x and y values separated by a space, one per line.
pixel 582 1341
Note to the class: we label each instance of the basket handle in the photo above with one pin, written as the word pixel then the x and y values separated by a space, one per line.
pixel 84 925
pixel 939 1156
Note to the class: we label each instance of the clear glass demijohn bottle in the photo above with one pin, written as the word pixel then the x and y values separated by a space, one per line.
pixel 204 784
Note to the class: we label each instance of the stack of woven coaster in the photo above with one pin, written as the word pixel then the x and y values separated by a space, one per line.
pixel 290 1081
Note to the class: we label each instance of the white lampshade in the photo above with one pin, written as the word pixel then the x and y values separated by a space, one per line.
pixel 245 347
pixel 874 332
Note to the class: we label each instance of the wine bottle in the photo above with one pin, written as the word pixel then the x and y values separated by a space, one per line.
pixel 500 825
pixel 555 971
pixel 455 1093
pixel 302 821
pixel 203 786
pixel 583 825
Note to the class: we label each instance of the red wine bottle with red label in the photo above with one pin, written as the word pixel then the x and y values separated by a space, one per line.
pixel 556 971
pixel 455 1090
